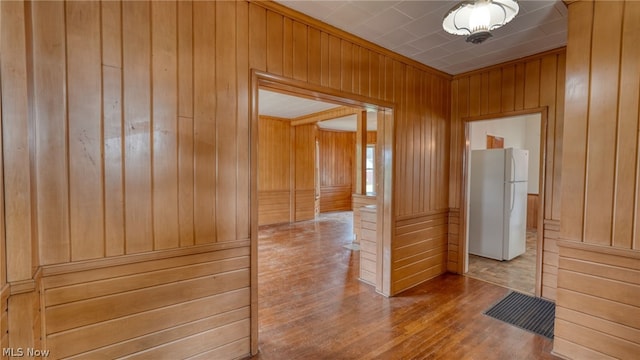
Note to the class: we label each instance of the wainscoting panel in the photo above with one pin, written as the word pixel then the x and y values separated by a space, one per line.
pixel 177 307
pixel 419 251
pixel 598 302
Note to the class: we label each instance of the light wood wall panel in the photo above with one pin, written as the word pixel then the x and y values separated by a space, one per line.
pixel 601 154
pixel 357 202
pixel 274 171
pixel 419 250
pixel 304 153
pixel 532 211
pixel 149 144
pixel 273 154
pixel 526 85
pixel 136 150
pixel 337 163
pixel 598 307
pixel 5 290
pixel 599 250
pixel 171 301
pixel 368 249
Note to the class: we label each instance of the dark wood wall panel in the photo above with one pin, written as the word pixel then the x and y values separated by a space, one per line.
pixel 525 85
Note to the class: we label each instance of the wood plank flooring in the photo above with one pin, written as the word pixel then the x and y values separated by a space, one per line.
pixel 312 306
pixel 518 274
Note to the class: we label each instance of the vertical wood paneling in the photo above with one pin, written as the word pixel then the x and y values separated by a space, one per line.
pixel 304 167
pixel 364 71
pixel 602 122
pixel 205 186
pixel 243 119
pixel 4 288
pixel 598 283
pixel 300 51
pixel 532 84
pixel 114 230
pixel 152 151
pixel 226 121
pixel 49 68
pixel 519 85
pixel 274 43
pixel 556 187
pixel 313 56
pixel 334 54
pixel 508 88
pixel 495 91
pixel 185 124
pixel 287 47
pixel 136 55
pixel 15 128
pixel 346 62
pixel 257 37
pixel 164 67
pixel 576 109
pixel 625 232
pixel 548 82
pixel 86 205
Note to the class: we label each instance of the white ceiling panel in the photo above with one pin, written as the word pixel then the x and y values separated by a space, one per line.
pixel 414 29
pixel 288 107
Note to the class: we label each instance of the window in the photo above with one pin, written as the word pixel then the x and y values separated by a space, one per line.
pixel 370 169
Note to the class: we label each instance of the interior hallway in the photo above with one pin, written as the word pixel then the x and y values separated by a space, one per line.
pixel 519 274
pixel 312 306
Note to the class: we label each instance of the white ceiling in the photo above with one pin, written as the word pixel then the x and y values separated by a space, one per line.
pixel 288 107
pixel 414 29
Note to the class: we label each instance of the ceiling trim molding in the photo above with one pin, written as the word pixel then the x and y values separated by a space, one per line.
pixel 325 115
pixel 559 50
pixel 321 25
pixel 275 118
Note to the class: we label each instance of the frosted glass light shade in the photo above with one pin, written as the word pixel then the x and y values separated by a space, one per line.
pixel 476 18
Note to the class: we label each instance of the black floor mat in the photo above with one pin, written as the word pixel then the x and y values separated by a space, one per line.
pixel 526 312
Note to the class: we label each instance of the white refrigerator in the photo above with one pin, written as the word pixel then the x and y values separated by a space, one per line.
pixel 498 203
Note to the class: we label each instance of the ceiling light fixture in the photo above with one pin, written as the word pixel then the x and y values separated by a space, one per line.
pixel 476 18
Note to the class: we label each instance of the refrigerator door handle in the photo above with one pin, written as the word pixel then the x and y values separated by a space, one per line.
pixel 513 198
pixel 513 168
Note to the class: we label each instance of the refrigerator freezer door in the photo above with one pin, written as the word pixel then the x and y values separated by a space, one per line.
pixel 486 201
pixel 515 215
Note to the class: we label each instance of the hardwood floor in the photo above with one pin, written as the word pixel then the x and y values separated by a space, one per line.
pixel 518 274
pixel 312 306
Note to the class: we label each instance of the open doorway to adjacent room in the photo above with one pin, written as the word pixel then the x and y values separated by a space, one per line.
pixel 316 158
pixel 503 192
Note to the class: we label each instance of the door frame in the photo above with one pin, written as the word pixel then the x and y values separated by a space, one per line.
pixel 385 178
pixel 464 223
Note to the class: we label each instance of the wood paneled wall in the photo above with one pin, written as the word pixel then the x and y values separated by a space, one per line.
pixel 599 247
pixel 274 171
pixel 598 302
pixel 126 133
pixel 532 84
pixel 337 169
pixel 194 303
pixel 304 153
pixel 532 211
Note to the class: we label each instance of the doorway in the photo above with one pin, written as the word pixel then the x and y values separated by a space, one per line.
pixel 383 113
pixel 503 241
